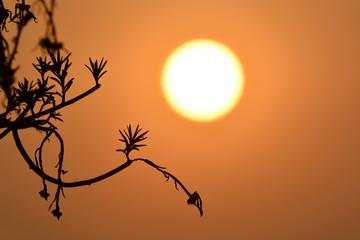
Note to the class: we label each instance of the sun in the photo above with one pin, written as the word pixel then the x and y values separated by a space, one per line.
pixel 202 80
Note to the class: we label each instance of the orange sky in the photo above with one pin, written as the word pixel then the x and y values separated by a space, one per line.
pixel 284 164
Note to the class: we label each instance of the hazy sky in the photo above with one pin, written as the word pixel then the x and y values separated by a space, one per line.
pixel 284 164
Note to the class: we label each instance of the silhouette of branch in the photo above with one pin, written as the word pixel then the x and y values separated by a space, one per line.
pixel 21 118
pixel 39 163
pixel 12 124
pixel 97 69
pixel 193 198
pixel 35 104
pixel 132 140
pixel 48 178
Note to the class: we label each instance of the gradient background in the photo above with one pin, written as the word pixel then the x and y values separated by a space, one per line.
pixel 284 164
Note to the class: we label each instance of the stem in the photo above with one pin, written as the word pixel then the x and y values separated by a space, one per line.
pixel 17 39
pixel 39 114
pixel 39 161
pixel 64 104
pixel 21 116
pixel 177 181
pixel 193 198
pixel 43 175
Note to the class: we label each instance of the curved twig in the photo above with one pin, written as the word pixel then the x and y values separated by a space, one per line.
pixel 39 163
pixel 48 178
pixel 193 198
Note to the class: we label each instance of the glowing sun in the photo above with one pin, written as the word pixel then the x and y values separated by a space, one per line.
pixel 202 80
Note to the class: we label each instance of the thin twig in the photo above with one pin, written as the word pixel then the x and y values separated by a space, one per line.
pixel 193 198
pixel 48 178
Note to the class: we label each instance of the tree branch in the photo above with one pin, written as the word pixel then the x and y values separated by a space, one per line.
pixel 63 104
pixel 48 178
pixel 40 114
pixel 193 198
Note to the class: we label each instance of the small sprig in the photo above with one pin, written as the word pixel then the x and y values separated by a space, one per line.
pixel 56 116
pixel 28 93
pixel 25 93
pixel 59 67
pixel 131 140
pixel 96 69
pixel 58 61
pixel 43 66
pixel 194 199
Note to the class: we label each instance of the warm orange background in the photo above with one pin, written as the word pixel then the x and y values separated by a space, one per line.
pixel 284 164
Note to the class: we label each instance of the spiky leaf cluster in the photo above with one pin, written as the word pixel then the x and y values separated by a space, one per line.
pixel 28 93
pixel 97 69
pixel 132 139
pixel 59 66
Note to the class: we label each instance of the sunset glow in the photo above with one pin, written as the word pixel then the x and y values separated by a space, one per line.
pixel 252 105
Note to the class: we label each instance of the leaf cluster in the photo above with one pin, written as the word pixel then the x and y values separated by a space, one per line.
pixel 59 67
pixel 35 96
pixel 132 139
pixel 48 92
pixel 97 69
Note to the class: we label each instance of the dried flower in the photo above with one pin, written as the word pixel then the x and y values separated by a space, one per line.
pixel 56 212
pixel 43 193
